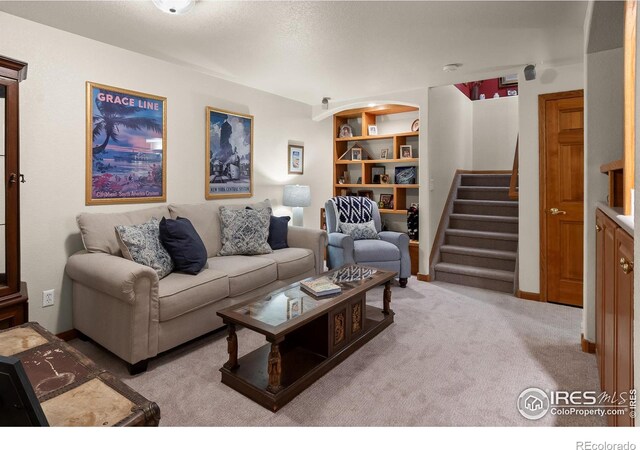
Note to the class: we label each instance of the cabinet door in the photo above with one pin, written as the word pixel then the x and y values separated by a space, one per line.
pixel 600 336
pixel 624 319
pixel 608 309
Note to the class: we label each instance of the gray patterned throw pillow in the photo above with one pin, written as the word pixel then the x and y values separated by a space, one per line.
pixel 357 231
pixel 141 243
pixel 244 231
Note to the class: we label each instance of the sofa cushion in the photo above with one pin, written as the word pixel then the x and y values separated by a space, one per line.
pixel 205 218
pixel 370 250
pixel 291 261
pixel 180 293
pixel 141 243
pixel 183 243
pixel 244 231
pixel 245 273
pixel 98 229
pixel 278 229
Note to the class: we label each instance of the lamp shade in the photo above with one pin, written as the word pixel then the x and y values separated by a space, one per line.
pixel 296 195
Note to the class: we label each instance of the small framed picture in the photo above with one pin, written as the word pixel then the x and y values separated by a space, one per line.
pixel 368 194
pixel 294 307
pixel 384 153
pixel 345 131
pixel 356 154
pixel 373 130
pixel 508 81
pixel 386 200
pixel 296 159
pixel 405 175
pixel 376 172
pixel 406 152
pixel 415 126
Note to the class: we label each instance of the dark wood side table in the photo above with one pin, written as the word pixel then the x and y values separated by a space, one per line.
pixel 71 388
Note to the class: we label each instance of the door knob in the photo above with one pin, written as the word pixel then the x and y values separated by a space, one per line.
pixel 556 211
pixel 627 266
pixel 598 227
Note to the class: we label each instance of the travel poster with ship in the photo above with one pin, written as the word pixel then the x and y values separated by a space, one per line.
pixel 126 146
pixel 229 154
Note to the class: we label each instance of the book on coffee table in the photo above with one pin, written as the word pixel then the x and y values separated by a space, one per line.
pixel 320 287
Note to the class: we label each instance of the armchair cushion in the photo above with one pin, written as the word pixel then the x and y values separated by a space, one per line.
pixel 373 251
pixel 358 231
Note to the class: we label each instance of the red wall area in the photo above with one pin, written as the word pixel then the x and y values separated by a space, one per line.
pixel 487 87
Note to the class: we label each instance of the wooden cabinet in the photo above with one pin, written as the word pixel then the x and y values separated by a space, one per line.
pixel 614 311
pixel 13 298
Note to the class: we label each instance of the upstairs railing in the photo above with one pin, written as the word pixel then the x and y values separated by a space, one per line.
pixel 513 184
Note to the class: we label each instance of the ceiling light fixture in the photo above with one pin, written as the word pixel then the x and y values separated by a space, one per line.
pixel 451 67
pixel 175 7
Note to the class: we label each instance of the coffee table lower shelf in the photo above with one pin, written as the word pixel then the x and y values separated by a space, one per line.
pixel 301 366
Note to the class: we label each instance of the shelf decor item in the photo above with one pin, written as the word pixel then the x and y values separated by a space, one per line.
pixel 126 146
pixel 384 153
pixel 229 155
pixel 296 159
pixel 385 179
pixel 376 172
pixel 387 201
pixel 345 131
pixel 356 153
pixel 367 193
pixel 373 130
pixel 406 175
pixel 415 126
pixel 413 222
pixel 406 152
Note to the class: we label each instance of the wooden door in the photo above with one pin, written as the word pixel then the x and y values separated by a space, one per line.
pixel 561 196
pixel 624 319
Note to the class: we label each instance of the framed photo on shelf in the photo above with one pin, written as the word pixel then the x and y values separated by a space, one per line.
pixel 415 126
pixel 373 130
pixel 296 159
pixel 229 155
pixel 508 81
pixel 376 172
pixel 406 152
pixel 126 146
pixel 368 194
pixel 356 153
pixel 294 307
pixel 384 153
pixel 405 175
pixel 345 131
pixel 386 201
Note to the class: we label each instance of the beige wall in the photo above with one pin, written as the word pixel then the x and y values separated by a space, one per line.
pixel 495 130
pixel 53 143
pixel 549 79
pixel 603 143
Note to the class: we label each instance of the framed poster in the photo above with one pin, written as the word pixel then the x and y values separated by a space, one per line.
pixel 229 155
pixel 296 159
pixel 126 146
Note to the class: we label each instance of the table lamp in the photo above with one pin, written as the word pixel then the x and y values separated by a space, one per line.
pixel 298 197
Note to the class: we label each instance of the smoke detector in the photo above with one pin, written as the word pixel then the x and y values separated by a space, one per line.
pixel 451 67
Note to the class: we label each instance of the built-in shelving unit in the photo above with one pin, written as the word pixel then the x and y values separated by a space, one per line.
pixel 383 118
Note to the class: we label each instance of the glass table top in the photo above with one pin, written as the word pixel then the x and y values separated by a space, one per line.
pixel 283 306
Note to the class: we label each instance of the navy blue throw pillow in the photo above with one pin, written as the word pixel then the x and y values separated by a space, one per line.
pixel 183 244
pixel 278 227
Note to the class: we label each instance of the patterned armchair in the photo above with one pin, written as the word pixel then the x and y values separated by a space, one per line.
pixel 389 252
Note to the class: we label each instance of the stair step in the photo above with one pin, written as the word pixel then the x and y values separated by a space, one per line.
pixel 485 179
pixel 482 239
pixel 483 193
pixel 479 257
pixel 479 222
pixel 496 280
pixel 486 207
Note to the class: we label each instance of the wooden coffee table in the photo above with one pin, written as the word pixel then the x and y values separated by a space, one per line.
pixel 307 336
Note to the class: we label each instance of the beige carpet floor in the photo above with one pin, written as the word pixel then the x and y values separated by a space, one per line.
pixel 455 356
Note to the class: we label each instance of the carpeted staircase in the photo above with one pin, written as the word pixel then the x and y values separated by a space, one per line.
pixel 480 243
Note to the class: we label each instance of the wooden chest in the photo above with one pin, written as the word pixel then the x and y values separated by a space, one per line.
pixel 71 388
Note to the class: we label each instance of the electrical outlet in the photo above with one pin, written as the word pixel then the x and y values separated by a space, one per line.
pixel 48 297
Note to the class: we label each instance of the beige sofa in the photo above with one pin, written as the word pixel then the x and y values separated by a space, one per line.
pixel 123 306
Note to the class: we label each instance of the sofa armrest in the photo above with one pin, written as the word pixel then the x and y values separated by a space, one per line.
pixel 311 238
pixel 112 275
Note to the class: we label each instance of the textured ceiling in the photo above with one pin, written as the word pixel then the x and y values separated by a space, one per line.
pixel 307 50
